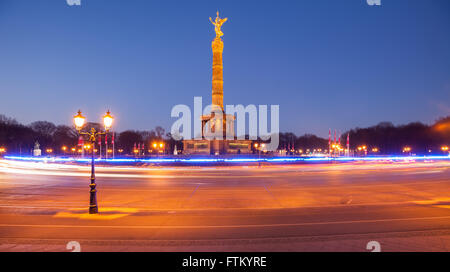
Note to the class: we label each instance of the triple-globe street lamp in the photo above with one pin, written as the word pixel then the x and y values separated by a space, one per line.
pixel 79 121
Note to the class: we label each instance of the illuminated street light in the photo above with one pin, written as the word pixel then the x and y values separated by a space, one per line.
pixel 2 150
pixel 107 120
pixel 259 147
pixel 363 148
pixel 49 150
pixel 79 121
pixel 445 149
pixel 157 147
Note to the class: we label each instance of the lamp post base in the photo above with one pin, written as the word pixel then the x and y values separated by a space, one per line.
pixel 93 208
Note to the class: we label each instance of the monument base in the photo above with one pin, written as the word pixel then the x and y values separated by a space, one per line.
pixel 216 147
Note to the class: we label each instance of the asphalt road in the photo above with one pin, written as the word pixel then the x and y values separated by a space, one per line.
pixel 322 207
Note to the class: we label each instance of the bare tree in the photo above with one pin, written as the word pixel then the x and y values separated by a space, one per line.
pixel 43 127
pixel 7 121
pixel 159 132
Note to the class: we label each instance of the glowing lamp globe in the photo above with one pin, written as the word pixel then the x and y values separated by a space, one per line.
pixel 108 120
pixel 79 120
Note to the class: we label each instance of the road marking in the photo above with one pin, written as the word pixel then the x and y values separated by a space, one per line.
pixel 229 226
pixel 274 198
pixel 310 206
pixel 90 216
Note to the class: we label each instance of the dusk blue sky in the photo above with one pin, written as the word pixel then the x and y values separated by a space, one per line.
pixel 327 63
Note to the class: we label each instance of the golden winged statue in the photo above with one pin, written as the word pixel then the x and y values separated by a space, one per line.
pixel 217 24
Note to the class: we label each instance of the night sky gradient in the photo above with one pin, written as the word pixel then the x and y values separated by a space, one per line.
pixel 327 63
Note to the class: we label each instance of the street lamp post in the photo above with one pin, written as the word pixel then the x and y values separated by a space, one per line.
pixel 407 149
pixel 259 154
pixel 79 121
pixel 259 147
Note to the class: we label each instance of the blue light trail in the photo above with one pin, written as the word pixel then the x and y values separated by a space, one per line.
pixel 225 160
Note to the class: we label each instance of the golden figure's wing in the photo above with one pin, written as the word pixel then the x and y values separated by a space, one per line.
pixel 223 20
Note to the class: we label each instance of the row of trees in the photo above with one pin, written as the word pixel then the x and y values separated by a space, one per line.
pixel 386 137
pixel 127 139
pixel 392 139
pixel 20 139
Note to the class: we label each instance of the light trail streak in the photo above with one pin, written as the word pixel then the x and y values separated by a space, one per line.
pixel 410 219
pixel 33 167
pixel 230 160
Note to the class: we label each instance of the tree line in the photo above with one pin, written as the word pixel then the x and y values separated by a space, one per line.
pixel 17 138
pixel 386 137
